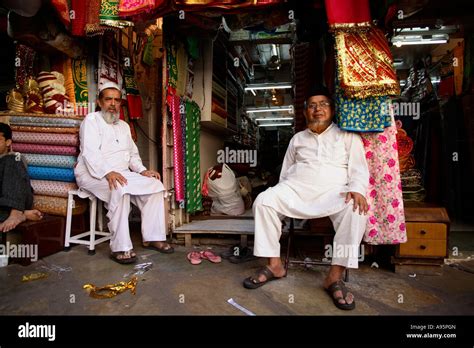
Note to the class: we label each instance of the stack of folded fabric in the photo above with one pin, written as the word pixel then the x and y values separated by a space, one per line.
pixel 412 186
pixel 413 190
pixel 49 144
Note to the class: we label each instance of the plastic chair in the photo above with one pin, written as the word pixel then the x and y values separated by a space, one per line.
pixel 95 210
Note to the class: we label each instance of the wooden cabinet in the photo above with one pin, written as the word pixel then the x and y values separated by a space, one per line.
pixel 427 245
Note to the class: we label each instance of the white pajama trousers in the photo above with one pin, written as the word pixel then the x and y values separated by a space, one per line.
pixel 152 220
pixel 349 226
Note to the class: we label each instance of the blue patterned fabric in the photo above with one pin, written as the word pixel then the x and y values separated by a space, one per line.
pixel 50 173
pixel 362 114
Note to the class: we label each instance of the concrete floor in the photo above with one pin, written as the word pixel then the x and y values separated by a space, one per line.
pixel 175 287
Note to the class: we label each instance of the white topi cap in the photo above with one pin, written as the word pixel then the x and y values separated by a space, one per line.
pixel 109 84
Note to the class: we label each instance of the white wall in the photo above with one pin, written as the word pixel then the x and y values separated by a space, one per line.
pixel 209 145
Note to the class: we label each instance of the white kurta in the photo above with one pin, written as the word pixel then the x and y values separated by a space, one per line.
pixel 317 172
pixel 110 147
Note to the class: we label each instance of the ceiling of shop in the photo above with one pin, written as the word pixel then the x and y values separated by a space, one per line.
pixel 436 15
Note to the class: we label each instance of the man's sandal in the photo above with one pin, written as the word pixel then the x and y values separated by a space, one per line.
pixel 168 249
pixel 124 257
pixel 340 286
pixel 253 282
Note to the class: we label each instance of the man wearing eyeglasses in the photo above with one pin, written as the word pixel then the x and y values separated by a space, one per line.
pixel 324 173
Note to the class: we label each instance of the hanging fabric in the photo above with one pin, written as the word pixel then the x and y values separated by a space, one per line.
pixel 109 14
pixel 386 222
pixel 348 14
pixel 369 114
pixel 365 64
pixel 134 100
pixel 193 174
pixel 79 75
pixel 178 160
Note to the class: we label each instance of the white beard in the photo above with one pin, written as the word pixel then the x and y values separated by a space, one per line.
pixel 111 117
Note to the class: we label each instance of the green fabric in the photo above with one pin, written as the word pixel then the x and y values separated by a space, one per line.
pixel 147 57
pixel 193 174
pixel 193 47
pixel 172 67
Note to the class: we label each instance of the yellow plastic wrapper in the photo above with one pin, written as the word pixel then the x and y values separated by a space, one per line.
pixel 109 291
pixel 34 276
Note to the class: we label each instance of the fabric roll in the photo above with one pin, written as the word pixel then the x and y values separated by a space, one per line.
pixel 55 161
pixel 66 130
pixel 193 175
pixel 44 121
pixel 348 14
pixel 173 102
pixel 386 222
pixel 362 115
pixel 45 149
pixel 50 173
pixel 58 205
pixel 52 188
pixel 45 138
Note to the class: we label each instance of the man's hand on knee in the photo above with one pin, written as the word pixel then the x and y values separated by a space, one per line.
pixel 151 174
pixel 359 202
pixel 113 178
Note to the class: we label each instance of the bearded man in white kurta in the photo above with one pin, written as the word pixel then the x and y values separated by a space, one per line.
pixel 324 173
pixel 110 167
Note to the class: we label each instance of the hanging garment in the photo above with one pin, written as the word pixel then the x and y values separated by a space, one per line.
pixel 173 103
pixel 134 100
pixel 369 114
pixel 78 23
pixel 365 64
pixel 129 8
pixel 386 217
pixel 193 174
pixel 23 71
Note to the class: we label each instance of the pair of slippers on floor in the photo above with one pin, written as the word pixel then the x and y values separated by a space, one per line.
pixel 196 257
pixel 254 283
pixel 128 257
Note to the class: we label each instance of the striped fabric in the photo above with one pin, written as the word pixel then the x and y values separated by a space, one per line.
pixel 173 102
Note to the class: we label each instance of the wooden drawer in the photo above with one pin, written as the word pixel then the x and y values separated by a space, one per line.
pixel 417 230
pixel 423 248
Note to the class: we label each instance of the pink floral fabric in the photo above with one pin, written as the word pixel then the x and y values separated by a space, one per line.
pixel 386 222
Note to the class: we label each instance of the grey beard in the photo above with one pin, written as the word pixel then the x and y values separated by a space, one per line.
pixel 110 117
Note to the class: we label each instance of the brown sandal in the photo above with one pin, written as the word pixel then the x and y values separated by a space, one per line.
pixel 124 257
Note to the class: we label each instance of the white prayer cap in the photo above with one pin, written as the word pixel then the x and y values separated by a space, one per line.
pixel 109 84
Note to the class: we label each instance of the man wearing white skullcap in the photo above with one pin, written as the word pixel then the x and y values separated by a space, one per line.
pixel 109 166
